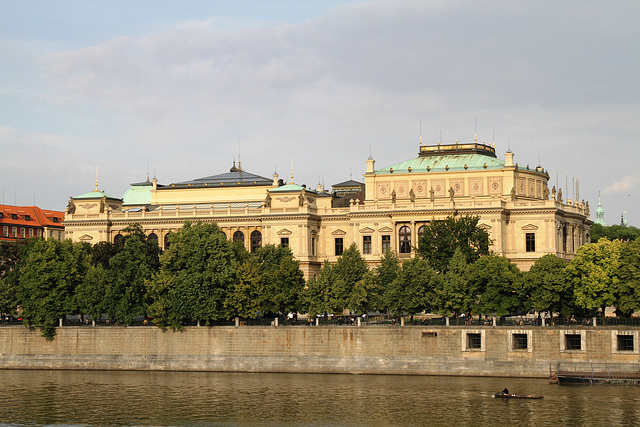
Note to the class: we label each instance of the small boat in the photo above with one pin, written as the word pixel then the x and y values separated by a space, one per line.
pixel 516 396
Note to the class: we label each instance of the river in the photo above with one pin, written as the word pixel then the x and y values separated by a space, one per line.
pixel 99 398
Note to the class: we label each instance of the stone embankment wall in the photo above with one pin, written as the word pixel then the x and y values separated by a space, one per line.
pixel 472 351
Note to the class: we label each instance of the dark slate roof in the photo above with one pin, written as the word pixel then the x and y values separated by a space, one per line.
pixel 349 183
pixel 234 178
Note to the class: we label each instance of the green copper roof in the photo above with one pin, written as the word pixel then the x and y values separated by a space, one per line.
pixel 290 188
pixel 138 194
pixel 441 163
pixel 95 194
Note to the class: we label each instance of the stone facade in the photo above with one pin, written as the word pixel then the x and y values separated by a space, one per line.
pixel 524 218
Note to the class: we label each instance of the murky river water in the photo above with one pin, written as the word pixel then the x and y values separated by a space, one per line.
pixel 228 399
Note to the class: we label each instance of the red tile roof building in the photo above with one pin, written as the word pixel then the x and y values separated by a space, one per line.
pixel 24 222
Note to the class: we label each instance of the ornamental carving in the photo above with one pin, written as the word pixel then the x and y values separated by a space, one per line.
pixel 402 189
pixel 286 198
pixel 383 190
pixel 438 186
pixel 495 185
pixel 420 188
pixel 532 187
pixel 88 205
pixel 458 186
pixel 475 186
pixel 539 189
pixel 521 187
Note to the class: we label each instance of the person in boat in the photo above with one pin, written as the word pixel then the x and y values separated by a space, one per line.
pixel 505 391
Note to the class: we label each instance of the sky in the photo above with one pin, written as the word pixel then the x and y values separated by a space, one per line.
pixel 181 89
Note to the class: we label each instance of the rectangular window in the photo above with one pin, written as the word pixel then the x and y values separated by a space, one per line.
pixel 386 244
pixel 520 341
pixel 14 216
pixel 14 231
pixel 530 242
pixel 22 232
pixel 339 246
pixel 31 232
pixel 625 342
pixel 5 231
pixel 573 342
pixel 284 242
pixel 366 245
pixel 27 217
pixel 313 246
pixel 474 341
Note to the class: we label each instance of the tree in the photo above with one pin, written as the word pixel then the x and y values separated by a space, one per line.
pixel 102 252
pixel 547 287
pixel 129 268
pixel 244 296
pixel 453 294
pixel 317 297
pixel 594 274
pixel 11 253
pixel 196 272
pixel 413 290
pixel 629 275
pixel 48 279
pixel 280 279
pixel 441 238
pixel 613 232
pixel 349 270
pixel 496 283
pixel 90 294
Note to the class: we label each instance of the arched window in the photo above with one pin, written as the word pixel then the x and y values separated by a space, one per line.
pixel 420 234
pixel 238 236
pixel 118 240
pixel 404 237
pixel 256 240
pixel 166 241
pixel 153 237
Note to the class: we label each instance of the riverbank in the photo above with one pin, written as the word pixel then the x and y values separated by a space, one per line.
pixel 410 350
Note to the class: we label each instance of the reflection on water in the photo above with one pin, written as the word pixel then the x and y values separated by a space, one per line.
pixel 230 399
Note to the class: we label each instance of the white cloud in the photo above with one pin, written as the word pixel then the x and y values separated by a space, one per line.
pixel 558 80
pixel 624 184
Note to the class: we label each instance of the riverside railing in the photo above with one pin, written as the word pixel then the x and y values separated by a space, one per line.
pixel 353 321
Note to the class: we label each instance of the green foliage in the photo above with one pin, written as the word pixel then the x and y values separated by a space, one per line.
pixel 11 253
pixel 497 285
pixel 594 274
pixel 453 294
pixel 196 272
pixel 129 268
pixel 613 232
pixel 317 296
pixel 629 275
pixel 281 280
pixel 441 238
pixel 51 272
pixel 102 252
pixel 90 295
pixel 547 287
pixel 413 290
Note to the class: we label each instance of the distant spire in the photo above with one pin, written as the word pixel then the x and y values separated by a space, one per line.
pixel 600 212
pixel 475 129
pixel 420 136
pixel 292 171
pixel 97 179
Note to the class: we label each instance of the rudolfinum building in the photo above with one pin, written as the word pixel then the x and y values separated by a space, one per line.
pixel 523 216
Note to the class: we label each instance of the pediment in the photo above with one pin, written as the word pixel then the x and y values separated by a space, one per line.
pixel 85 238
pixel 339 233
pixel 367 230
pixel 485 227
pixel 284 232
pixel 530 227
pixel 385 229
